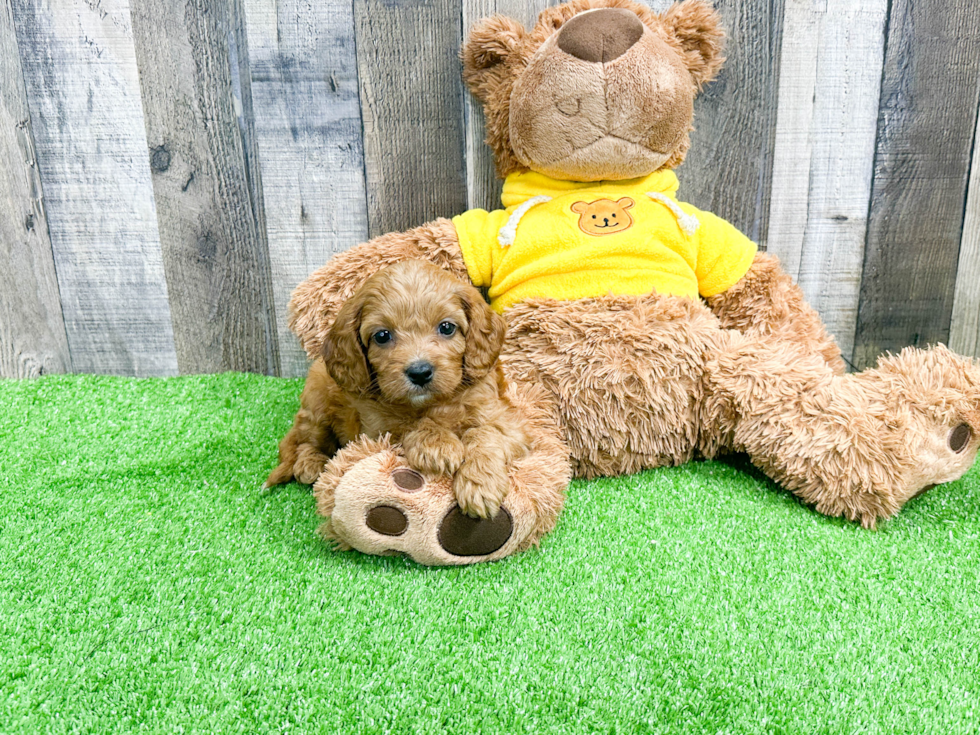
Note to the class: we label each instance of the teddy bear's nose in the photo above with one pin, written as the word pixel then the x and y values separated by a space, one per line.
pixel 600 35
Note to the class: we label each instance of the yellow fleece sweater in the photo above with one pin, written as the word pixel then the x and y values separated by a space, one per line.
pixel 569 240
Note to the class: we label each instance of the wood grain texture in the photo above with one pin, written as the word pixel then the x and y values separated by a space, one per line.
pixel 214 248
pixel 32 331
pixel 412 109
pixel 728 170
pixel 482 185
pixel 308 128
pixel 84 98
pixel 927 116
pixel 830 76
pixel 964 328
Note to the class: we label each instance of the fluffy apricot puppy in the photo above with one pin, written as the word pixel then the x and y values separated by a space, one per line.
pixel 414 355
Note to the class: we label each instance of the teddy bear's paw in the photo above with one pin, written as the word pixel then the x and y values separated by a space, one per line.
pixel 383 507
pixel 943 454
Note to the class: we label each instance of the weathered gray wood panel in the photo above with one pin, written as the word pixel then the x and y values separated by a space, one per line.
pixel 308 127
pixel 830 76
pixel 32 331
pixel 964 328
pixel 289 94
pixel 927 116
pixel 214 248
pixel 83 94
pixel 412 110
pixel 729 168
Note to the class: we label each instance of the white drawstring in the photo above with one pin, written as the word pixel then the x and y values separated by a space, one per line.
pixel 508 233
pixel 688 222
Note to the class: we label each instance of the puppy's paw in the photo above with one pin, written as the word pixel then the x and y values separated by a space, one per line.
pixel 309 464
pixel 481 485
pixel 434 452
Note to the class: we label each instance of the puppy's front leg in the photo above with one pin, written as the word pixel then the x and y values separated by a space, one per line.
pixel 481 484
pixel 433 449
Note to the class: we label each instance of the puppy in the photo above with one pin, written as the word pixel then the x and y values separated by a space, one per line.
pixel 413 354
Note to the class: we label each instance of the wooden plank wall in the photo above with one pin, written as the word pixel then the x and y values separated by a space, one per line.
pixel 170 171
pixel 209 209
pixel 83 95
pixel 32 331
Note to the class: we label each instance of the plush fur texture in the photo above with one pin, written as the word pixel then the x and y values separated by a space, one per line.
pixel 413 355
pixel 570 118
pixel 638 382
pixel 768 304
pixel 858 446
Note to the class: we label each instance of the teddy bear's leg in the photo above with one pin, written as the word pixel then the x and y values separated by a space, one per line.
pixel 767 302
pixel 376 503
pixel 315 302
pixel 858 445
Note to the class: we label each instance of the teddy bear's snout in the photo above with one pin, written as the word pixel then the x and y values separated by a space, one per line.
pixel 602 98
pixel 600 35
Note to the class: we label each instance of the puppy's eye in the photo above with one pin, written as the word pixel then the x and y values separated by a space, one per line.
pixel 382 337
pixel 614 214
pixel 447 329
pixel 593 216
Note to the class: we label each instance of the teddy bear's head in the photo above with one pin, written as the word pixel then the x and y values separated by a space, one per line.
pixel 597 89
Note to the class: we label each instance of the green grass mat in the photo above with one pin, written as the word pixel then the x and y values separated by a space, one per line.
pixel 146 584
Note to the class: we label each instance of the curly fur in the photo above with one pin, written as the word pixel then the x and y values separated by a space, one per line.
pixel 458 423
pixel 537 482
pixel 316 301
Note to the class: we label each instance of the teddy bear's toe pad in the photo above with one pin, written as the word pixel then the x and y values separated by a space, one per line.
pixel 408 480
pixel 383 507
pixel 462 535
pixel 386 520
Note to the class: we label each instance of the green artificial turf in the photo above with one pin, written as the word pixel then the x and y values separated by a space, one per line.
pixel 146 584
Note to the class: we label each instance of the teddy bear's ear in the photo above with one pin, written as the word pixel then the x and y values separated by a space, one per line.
pixel 695 27
pixel 489 44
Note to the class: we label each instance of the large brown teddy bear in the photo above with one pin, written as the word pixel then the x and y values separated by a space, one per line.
pixel 642 331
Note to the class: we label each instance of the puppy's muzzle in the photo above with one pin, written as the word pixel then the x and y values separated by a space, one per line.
pixel 420 373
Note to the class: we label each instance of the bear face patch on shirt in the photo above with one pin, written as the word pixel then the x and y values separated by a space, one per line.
pixel 604 216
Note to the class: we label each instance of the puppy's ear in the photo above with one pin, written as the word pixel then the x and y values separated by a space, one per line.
pixel 344 354
pixel 485 336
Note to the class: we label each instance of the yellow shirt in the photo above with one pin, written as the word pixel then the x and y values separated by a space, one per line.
pixel 569 240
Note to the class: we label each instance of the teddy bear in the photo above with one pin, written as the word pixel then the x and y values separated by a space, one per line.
pixel 642 331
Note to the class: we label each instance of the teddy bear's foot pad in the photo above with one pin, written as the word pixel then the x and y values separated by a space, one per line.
pixel 386 520
pixel 464 536
pixel 383 507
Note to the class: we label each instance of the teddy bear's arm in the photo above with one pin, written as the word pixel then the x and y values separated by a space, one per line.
pixel 316 301
pixel 767 302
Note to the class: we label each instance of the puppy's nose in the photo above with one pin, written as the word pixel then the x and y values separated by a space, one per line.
pixel 600 35
pixel 420 373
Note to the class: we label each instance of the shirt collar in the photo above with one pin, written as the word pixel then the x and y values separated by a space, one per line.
pixel 518 188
